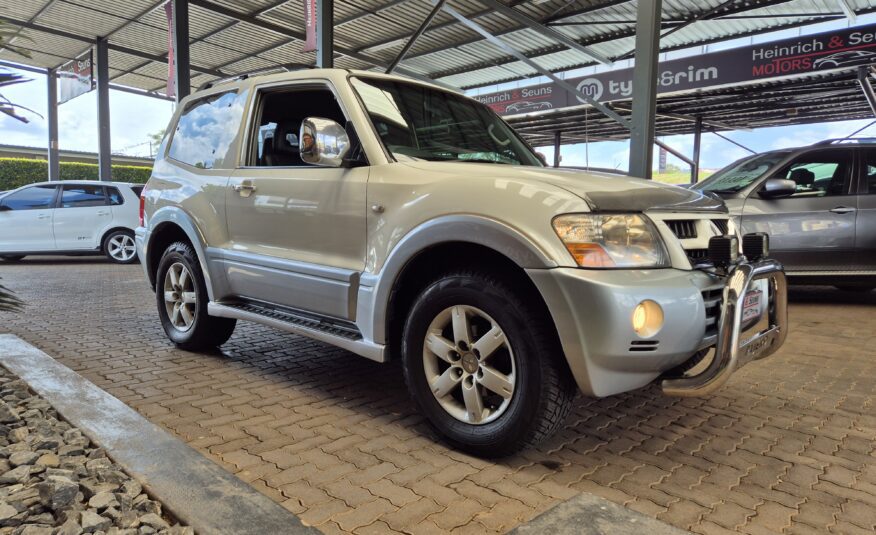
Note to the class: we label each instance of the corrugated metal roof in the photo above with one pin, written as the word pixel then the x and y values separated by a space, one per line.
pixel 817 98
pixel 378 29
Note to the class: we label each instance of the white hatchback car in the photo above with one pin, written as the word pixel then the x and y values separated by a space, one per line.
pixel 70 218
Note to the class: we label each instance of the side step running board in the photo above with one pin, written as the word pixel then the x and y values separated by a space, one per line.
pixel 342 334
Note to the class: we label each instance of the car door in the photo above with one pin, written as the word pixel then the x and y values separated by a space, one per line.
pixel 812 230
pixel 26 220
pixel 297 231
pixel 865 229
pixel 82 216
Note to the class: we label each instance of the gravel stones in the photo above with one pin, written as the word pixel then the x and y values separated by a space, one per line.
pixel 8 414
pixel 53 481
pixel 23 457
pixel 58 492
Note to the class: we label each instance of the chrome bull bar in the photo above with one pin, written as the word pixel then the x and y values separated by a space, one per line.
pixel 732 353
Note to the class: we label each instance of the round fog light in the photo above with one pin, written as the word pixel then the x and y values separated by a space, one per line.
pixel 647 319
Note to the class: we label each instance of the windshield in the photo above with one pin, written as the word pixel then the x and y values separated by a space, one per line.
pixel 740 174
pixel 416 122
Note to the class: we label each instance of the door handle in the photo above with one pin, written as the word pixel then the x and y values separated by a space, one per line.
pixel 44 216
pixel 103 212
pixel 245 189
pixel 843 210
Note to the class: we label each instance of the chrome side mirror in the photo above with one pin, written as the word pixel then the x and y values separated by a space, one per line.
pixel 323 142
pixel 775 188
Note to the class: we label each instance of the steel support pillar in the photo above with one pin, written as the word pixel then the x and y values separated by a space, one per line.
pixel 325 34
pixel 181 57
pixel 642 127
pixel 52 116
pixel 558 140
pixel 698 138
pixel 864 82
pixel 104 147
pixel 413 39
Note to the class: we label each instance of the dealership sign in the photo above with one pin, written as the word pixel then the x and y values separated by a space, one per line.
pixel 309 26
pixel 75 78
pixel 803 55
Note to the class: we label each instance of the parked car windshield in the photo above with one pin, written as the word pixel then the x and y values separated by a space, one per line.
pixel 740 174
pixel 416 122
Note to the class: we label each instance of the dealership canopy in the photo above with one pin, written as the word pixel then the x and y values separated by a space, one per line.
pixel 465 44
pixel 240 36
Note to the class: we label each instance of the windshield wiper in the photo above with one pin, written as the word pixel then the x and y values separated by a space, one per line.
pixel 482 160
pixel 721 190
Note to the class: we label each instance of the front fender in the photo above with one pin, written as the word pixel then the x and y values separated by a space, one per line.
pixel 375 289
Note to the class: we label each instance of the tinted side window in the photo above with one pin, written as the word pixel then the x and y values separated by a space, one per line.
pixel 82 196
pixel 34 198
pixel 114 196
pixel 206 130
pixel 820 174
pixel 870 172
pixel 138 190
pixel 280 116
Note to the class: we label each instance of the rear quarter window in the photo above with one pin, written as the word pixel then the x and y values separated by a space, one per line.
pixel 206 130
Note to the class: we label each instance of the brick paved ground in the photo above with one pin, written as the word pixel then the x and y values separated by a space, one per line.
pixel 787 446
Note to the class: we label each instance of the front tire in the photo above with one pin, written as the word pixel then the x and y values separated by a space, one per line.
pixel 483 366
pixel 181 295
pixel 119 247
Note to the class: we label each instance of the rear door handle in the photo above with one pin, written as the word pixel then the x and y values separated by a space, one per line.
pixel 843 210
pixel 103 213
pixel 44 216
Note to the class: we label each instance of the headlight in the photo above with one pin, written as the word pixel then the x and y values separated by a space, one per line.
pixel 611 241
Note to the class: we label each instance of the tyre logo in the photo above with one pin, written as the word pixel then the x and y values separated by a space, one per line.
pixel 591 87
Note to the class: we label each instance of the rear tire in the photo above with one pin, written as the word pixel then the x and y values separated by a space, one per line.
pixel 12 258
pixel 119 247
pixel 510 368
pixel 181 295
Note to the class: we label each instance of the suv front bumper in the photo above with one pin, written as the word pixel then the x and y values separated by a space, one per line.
pixel 732 351
pixel 593 309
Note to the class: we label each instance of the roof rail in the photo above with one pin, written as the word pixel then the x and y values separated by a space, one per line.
pixel 288 67
pixel 839 141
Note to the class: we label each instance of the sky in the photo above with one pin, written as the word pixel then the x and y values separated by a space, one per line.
pixel 134 117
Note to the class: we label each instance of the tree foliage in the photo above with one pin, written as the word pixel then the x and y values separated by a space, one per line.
pixel 17 172
pixel 7 78
pixel 8 301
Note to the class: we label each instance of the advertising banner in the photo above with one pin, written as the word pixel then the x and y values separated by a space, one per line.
pixel 171 68
pixel 76 77
pixel 840 49
pixel 309 25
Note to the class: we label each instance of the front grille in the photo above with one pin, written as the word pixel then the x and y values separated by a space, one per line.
pixel 723 225
pixel 684 229
pixel 712 299
pixel 697 255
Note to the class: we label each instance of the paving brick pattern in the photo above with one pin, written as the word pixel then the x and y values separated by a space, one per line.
pixel 787 446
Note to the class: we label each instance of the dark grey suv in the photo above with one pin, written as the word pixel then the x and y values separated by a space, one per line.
pixel 817 203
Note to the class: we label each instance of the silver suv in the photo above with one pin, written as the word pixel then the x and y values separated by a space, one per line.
pixel 818 205
pixel 399 220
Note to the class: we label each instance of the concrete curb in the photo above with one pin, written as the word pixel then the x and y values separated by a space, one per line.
pixel 194 489
pixel 587 514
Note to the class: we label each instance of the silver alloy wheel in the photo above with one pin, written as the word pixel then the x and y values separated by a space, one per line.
pixel 472 379
pixel 180 299
pixel 121 247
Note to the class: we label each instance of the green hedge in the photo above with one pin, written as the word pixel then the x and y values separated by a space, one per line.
pixel 16 172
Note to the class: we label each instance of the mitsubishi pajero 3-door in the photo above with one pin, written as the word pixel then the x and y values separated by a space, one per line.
pixel 396 219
